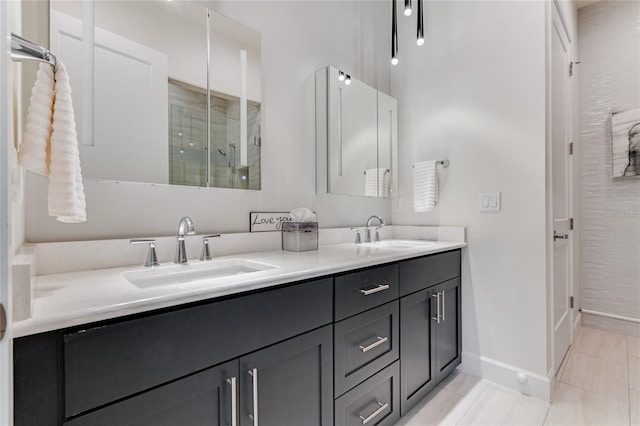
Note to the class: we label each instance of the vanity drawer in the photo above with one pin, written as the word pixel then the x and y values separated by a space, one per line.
pixel 418 274
pixel 108 362
pixel 364 344
pixel 376 400
pixel 362 290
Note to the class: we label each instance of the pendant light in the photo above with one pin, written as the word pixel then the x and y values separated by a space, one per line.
pixel 420 38
pixel 407 8
pixel 394 33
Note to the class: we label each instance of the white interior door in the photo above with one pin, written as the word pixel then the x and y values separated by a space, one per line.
pixel 561 188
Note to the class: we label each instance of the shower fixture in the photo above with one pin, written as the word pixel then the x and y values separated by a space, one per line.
pixel 226 157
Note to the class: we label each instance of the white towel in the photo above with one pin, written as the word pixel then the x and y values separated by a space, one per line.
pixel 35 149
pixel 376 183
pixel 50 145
pixel 425 186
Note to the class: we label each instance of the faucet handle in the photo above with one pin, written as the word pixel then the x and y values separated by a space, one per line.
pixel 152 257
pixel 376 238
pixel 205 254
pixel 358 239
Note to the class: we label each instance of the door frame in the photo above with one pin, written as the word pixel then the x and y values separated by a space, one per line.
pixel 6 388
pixel 554 8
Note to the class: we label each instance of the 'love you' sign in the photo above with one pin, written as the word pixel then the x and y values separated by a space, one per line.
pixel 267 221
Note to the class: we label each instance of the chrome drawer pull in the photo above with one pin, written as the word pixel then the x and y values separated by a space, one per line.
pixel 371 416
pixel 379 287
pixel 234 401
pixel 378 342
pixel 437 317
pixel 254 417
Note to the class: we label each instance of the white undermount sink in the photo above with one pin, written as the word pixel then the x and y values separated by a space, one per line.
pixel 402 244
pixel 181 274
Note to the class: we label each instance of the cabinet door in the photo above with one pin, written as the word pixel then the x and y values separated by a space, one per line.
pixel 203 398
pixel 448 332
pixel 290 383
pixel 417 341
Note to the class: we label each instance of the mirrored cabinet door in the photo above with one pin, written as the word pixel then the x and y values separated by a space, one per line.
pixel 356 137
pixel 163 92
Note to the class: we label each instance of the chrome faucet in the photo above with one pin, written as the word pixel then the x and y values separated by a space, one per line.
pixel 367 229
pixel 185 227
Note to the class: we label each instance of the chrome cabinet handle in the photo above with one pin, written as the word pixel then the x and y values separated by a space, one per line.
pixel 254 374
pixel 378 342
pixel 373 415
pixel 437 317
pixel 234 401
pixel 443 307
pixel 373 290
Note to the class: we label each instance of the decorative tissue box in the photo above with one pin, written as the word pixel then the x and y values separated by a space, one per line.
pixel 299 236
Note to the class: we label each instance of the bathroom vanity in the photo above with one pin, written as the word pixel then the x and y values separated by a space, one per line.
pixel 360 345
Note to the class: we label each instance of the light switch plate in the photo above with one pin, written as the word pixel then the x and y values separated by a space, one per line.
pixel 489 201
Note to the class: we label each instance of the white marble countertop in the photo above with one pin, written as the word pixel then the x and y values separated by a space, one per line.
pixel 69 299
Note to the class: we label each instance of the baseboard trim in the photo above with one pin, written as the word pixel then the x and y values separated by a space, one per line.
pixel 532 384
pixel 611 324
pixel 577 323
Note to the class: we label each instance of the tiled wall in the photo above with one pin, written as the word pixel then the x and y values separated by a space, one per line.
pixel 187 140
pixel 609 78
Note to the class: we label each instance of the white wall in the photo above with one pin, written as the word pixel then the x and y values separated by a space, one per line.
pixel 475 94
pixel 609 35
pixel 297 39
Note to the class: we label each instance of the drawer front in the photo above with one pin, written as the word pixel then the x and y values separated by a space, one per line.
pixel 364 344
pixel 105 363
pixel 424 272
pixel 359 291
pixel 373 402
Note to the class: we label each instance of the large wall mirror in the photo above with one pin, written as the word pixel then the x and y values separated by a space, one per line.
pixel 356 137
pixel 165 92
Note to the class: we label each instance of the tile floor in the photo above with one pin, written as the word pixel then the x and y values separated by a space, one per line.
pixel 598 384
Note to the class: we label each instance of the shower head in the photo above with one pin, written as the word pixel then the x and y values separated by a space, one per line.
pixel 226 157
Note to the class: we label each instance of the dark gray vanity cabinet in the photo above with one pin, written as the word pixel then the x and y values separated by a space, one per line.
pixel 417 343
pixel 289 383
pixel 348 349
pixel 430 324
pixel 448 333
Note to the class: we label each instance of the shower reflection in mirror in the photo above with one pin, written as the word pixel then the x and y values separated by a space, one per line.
pixel 188 142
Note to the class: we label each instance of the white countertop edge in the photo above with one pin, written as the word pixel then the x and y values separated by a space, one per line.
pixel 66 300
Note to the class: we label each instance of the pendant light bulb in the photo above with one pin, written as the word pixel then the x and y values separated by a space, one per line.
pixel 340 76
pixel 394 33
pixel 347 80
pixel 407 8
pixel 420 30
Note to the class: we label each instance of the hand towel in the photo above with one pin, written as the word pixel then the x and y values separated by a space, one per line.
pixel 50 145
pixel 35 150
pixel 425 186
pixel 376 183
